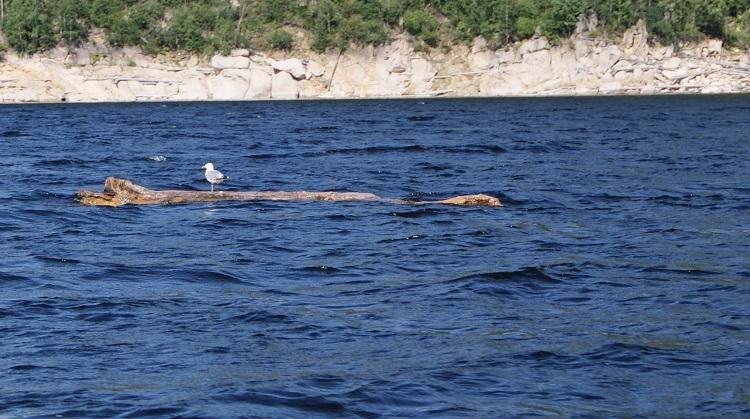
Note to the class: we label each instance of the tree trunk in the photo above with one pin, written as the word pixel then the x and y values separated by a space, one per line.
pixel 118 192
pixel 238 30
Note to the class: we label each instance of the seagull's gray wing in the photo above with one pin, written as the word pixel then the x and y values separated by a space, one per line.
pixel 215 176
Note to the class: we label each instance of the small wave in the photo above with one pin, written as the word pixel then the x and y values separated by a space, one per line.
pixel 214 276
pixel 154 412
pixel 689 272
pixel 157 158
pixel 321 269
pixel 622 353
pixel 528 274
pixel 289 399
pixel 260 317
pixel 433 167
pixel 267 156
pixel 412 237
pixel 506 283
pixel 102 317
pixel 321 129
pixel 476 149
pixel 380 149
pixel 605 197
pixel 62 162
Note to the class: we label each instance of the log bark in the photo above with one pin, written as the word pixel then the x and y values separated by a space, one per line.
pixel 118 192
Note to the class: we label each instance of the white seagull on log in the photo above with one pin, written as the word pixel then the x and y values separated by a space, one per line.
pixel 213 176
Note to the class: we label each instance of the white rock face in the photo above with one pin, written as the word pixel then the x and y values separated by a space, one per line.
pixel 585 64
pixel 672 64
pixel 283 86
pixel 221 62
pixel 293 66
pixel 192 88
pixel 533 45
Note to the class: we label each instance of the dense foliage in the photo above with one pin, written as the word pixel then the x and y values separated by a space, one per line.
pixel 204 26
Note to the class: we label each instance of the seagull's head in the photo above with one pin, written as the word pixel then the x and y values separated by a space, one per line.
pixel 208 166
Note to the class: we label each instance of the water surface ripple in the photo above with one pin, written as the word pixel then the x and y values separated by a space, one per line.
pixel 614 283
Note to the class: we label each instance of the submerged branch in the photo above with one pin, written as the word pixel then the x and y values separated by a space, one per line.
pixel 118 192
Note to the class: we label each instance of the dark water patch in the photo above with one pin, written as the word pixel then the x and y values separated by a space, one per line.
pixel 11 134
pixel 573 129
pixel 547 358
pixel 421 118
pixel 268 156
pixel 531 275
pixel 57 260
pixel 341 217
pixel 420 213
pixel 23 368
pixel 7 277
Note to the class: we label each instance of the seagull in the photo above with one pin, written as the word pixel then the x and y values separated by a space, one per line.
pixel 213 176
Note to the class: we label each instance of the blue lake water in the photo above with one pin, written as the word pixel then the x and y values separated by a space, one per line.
pixel 615 281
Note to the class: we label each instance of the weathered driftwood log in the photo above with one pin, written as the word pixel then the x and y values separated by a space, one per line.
pixel 119 192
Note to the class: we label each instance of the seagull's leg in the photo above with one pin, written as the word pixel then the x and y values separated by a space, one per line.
pixel 212 187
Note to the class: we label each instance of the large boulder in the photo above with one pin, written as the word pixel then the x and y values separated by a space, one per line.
pixel 283 86
pixel 293 66
pixel 260 84
pixel 220 62
pixel 240 52
pixel 314 69
pixel 230 84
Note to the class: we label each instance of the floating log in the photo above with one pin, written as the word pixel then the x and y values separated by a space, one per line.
pixel 118 192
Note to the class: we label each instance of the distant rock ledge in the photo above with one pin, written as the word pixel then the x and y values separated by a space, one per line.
pixel 580 65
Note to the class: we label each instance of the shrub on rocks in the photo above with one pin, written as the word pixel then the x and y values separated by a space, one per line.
pixel 280 39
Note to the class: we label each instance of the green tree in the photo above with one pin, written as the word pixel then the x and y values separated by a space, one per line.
pixel 71 21
pixel 423 24
pixel 28 26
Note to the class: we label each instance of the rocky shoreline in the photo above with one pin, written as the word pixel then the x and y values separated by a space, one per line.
pixel 581 65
